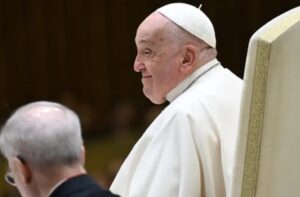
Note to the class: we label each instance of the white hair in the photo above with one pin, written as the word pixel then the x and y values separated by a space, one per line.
pixel 43 134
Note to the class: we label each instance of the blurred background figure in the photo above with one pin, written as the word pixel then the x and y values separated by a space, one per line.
pixel 43 146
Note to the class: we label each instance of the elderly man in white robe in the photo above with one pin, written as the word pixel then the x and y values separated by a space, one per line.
pixel 188 150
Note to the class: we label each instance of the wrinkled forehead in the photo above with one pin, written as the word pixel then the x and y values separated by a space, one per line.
pixel 152 29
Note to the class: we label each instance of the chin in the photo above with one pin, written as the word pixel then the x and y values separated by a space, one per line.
pixel 156 101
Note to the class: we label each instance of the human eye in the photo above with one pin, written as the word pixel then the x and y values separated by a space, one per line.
pixel 147 52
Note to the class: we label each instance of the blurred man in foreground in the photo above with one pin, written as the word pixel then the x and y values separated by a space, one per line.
pixel 43 145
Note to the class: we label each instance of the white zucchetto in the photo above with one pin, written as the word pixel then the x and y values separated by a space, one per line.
pixel 191 19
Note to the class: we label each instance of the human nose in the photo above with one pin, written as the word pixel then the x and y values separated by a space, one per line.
pixel 138 65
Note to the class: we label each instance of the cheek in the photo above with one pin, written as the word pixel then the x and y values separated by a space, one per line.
pixel 164 70
pixel 166 80
pixel 24 190
pixel 169 71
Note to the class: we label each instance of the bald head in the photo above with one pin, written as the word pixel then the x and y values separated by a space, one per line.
pixel 43 134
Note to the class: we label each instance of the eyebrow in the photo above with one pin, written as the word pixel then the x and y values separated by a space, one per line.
pixel 141 40
pixel 145 41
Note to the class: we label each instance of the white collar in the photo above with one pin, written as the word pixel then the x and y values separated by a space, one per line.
pixel 183 85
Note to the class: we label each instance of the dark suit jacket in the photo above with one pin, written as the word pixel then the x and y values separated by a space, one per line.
pixel 81 186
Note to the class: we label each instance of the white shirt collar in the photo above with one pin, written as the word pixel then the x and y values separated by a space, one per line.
pixel 183 85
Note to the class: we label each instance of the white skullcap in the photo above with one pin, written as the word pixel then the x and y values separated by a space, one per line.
pixel 191 19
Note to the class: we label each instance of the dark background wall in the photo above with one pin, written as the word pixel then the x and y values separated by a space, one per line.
pixel 82 50
pixel 80 53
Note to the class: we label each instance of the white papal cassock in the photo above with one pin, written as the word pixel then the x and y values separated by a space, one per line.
pixel 188 150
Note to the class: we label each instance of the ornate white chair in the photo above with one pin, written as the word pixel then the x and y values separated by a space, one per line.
pixel 268 151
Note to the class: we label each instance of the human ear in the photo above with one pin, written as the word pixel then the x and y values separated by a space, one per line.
pixel 22 170
pixel 82 155
pixel 189 58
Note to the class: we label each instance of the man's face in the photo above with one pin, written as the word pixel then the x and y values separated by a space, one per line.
pixel 158 58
